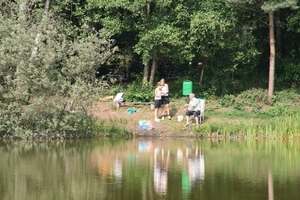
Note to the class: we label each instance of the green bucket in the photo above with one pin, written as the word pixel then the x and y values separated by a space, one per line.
pixel 187 87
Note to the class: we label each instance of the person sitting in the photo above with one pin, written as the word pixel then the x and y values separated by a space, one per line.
pixel 193 108
pixel 119 99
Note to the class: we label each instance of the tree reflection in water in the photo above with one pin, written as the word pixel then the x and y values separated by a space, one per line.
pixel 149 169
pixel 270 185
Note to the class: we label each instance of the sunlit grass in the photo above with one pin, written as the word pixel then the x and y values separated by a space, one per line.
pixel 103 128
pixel 283 127
pixel 248 115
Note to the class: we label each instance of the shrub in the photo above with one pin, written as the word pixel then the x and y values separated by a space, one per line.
pixel 238 105
pixel 35 85
pixel 227 100
pixel 139 92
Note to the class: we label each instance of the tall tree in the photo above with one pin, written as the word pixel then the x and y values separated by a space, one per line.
pixel 272 6
pixel 252 15
pixel 153 25
pixel 209 27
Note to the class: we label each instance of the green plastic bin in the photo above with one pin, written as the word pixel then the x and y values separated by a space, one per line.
pixel 187 87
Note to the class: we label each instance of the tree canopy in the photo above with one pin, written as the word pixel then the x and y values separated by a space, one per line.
pixel 59 48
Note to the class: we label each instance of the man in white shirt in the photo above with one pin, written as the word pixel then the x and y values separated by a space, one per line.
pixel 193 108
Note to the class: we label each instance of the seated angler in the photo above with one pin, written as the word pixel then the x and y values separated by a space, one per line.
pixel 193 108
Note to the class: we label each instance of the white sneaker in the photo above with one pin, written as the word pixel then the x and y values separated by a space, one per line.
pixel 169 117
pixel 162 117
pixel 156 119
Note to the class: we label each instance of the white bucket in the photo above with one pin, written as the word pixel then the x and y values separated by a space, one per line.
pixel 152 107
pixel 180 118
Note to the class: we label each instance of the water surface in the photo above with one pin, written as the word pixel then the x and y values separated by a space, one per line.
pixel 149 169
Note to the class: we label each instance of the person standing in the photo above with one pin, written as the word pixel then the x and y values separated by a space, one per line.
pixel 157 100
pixel 165 100
pixel 193 108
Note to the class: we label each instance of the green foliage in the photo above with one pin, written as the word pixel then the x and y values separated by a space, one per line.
pixel 112 131
pixel 139 92
pixel 225 35
pixel 254 95
pixel 44 117
pixel 256 102
pixel 255 99
pixel 42 64
pixel 158 39
pixel 175 88
pixel 207 31
pixel 286 96
pixel 257 109
pixel 280 109
pixel 238 105
pixel 289 74
pixel 274 5
pixel 58 54
pixel 116 89
pixel 282 126
pixel 227 100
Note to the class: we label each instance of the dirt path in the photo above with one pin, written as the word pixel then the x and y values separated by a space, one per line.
pixel 165 128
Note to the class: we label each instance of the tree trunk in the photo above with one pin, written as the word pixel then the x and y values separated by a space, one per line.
pixel 153 69
pixel 146 71
pixel 148 9
pixel 21 83
pixel 147 64
pixel 201 75
pixel 272 56
pixel 38 35
pixel 202 71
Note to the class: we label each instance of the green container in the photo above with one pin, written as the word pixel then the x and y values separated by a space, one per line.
pixel 187 87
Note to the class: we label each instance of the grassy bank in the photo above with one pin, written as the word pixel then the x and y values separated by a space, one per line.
pixel 247 115
pixel 241 125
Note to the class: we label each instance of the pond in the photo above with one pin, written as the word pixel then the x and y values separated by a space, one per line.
pixel 107 169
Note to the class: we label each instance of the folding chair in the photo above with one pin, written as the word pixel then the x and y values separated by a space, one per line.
pixel 202 110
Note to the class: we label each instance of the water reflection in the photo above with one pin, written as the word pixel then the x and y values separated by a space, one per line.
pixel 195 162
pixel 270 185
pixel 192 164
pixel 117 169
pixel 194 169
pixel 145 146
pixel 108 164
pixel 149 169
pixel 161 165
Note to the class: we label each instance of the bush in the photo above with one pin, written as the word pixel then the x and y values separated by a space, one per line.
pixel 139 92
pixel 253 96
pixel 227 100
pixel 44 118
pixel 35 85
